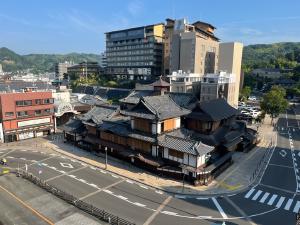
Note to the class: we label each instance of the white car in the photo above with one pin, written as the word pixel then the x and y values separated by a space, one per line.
pixel 252 98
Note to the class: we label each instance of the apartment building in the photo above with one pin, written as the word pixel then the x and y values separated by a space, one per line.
pixel 103 60
pixel 193 47
pixel 25 115
pixel 135 53
pixel 182 82
pixel 230 60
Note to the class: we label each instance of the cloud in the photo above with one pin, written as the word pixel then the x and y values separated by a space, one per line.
pixel 135 7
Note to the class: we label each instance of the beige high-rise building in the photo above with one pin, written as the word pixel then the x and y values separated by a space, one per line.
pixel 230 60
pixel 193 47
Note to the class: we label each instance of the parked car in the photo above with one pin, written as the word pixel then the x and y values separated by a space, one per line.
pixel 252 98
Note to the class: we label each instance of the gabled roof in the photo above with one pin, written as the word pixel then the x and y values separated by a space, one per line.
pixel 156 107
pixel 185 100
pixel 160 83
pixel 185 145
pixel 134 96
pixel 214 110
pixel 73 126
pixel 99 113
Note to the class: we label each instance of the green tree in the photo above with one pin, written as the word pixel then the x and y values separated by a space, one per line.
pixel 274 102
pixel 245 93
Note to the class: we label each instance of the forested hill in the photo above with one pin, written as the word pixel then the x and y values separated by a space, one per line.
pixel 277 55
pixel 12 61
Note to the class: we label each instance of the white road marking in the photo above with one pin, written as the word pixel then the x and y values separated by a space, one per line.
pixel 272 199
pixel 108 191
pixel 263 199
pixel 93 168
pixel 102 171
pixel 202 198
pixel 115 176
pixel 66 165
pixel 279 203
pixel 94 185
pixel 288 204
pixel 169 213
pixel 52 167
pixel 23 158
pixel 159 192
pixel 10 157
pixel 129 181
pixel 142 186
pixel 62 171
pixel 297 207
pixel 73 176
pixel 139 204
pixel 255 197
pixel 299 154
pixel 223 214
pixel 249 193
pixel 23 150
pixel 82 180
pixel 121 197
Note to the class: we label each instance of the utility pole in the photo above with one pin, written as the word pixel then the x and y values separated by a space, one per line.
pixel 105 157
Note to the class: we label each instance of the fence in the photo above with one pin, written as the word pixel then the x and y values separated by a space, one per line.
pixel 90 209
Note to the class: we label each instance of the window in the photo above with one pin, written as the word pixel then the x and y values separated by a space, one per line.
pixel 9 114
pixel 22 113
pixel 19 103
pixel 48 101
pixel 48 111
pixel 38 112
pixel 38 101
pixel 27 102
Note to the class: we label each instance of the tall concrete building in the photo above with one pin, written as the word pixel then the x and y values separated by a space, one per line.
pixel 61 69
pixel 193 47
pixel 103 60
pixel 230 60
pixel 135 53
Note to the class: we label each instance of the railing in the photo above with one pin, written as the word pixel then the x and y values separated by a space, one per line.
pixel 90 209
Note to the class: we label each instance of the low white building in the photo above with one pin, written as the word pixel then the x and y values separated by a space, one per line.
pixel 183 82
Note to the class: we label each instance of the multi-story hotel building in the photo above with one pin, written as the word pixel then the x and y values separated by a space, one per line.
pixel 25 115
pixel 84 69
pixel 193 47
pixel 135 53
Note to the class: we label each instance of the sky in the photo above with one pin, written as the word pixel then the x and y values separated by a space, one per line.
pixel 64 26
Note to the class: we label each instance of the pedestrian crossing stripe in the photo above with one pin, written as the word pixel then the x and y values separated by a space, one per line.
pixel 288 204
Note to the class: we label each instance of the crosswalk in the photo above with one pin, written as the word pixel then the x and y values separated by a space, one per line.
pixel 291 129
pixel 289 204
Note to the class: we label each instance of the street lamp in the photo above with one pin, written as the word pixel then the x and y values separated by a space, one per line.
pixel 105 157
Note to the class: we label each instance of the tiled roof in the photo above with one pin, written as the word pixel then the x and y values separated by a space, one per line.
pixel 18 85
pixel 214 110
pixel 73 126
pixel 134 96
pixel 184 143
pixel 99 113
pixel 156 107
pixel 185 100
pixel 160 83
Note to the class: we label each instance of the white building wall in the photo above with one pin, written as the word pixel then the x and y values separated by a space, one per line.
pixel 177 122
pixel 158 128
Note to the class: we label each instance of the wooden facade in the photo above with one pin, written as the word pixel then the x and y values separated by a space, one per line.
pixel 113 138
pixel 202 126
pixel 142 125
pixel 140 145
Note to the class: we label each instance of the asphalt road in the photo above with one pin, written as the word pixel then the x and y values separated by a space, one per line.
pixel 275 200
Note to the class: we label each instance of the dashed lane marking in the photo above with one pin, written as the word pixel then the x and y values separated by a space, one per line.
pixel 139 204
pixel 142 186
pixel 129 181
pixel 121 197
pixel 169 213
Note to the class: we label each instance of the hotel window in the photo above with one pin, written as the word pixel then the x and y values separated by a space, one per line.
pixel 19 103
pixel 9 114
pixel 38 101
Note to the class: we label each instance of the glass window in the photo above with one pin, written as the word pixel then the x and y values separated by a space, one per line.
pixel 48 101
pixel 22 113
pixel 27 102
pixel 9 113
pixel 38 101
pixel 38 112
pixel 19 103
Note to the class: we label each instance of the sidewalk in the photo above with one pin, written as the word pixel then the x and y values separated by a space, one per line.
pixel 235 178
